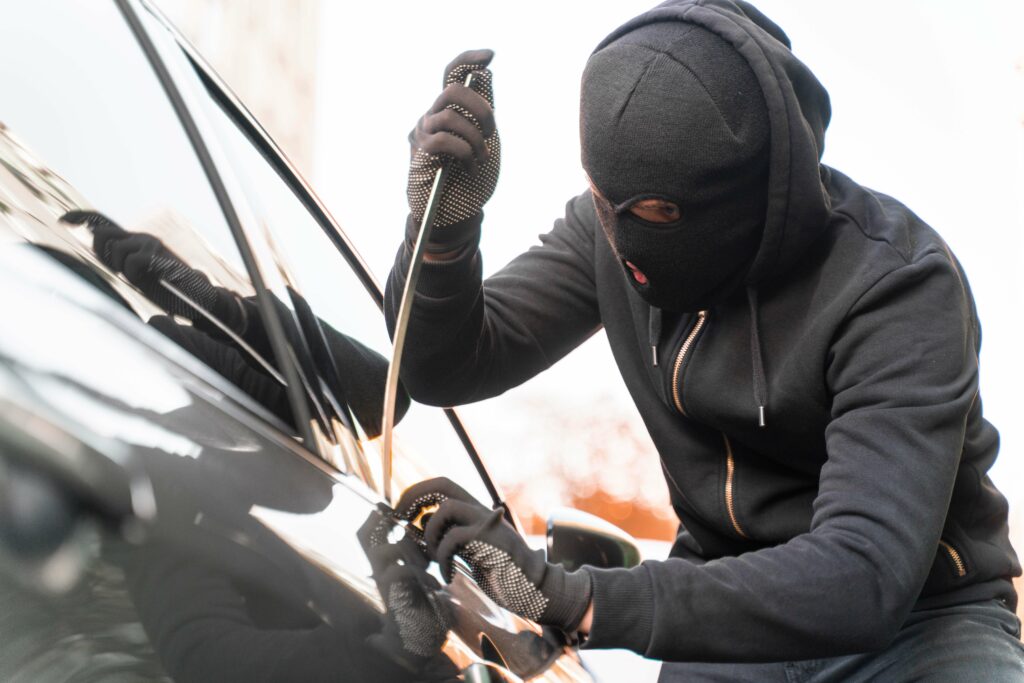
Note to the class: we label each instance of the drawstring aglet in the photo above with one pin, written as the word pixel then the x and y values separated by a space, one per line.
pixel 654 354
pixel 760 416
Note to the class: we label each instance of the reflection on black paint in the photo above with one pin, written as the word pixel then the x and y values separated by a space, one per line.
pixel 225 330
pixel 230 601
pixel 418 615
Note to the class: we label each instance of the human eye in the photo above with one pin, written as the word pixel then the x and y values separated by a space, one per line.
pixel 656 211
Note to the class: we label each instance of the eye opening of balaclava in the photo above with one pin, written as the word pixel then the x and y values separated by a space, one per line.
pixel 671 111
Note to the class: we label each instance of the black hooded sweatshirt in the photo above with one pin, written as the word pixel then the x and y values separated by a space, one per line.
pixel 864 496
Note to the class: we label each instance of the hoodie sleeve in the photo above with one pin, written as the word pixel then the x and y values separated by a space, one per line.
pixel 470 339
pixel 902 373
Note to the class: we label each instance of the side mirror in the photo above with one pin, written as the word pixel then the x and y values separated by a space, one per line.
pixel 576 538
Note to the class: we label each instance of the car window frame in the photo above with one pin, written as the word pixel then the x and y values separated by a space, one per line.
pixel 294 180
pixel 312 410
pixel 227 200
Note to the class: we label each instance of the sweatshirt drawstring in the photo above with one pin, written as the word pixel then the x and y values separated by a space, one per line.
pixel 757 358
pixel 654 333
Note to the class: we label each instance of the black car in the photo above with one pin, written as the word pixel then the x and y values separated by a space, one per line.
pixel 192 365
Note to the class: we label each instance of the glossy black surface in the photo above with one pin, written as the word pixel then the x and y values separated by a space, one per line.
pixel 161 518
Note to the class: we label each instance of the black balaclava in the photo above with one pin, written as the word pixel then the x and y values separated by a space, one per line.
pixel 672 111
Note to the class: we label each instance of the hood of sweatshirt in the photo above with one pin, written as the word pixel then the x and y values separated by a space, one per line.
pixel 798 109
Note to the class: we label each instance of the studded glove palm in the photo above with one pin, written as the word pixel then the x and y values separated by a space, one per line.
pixel 417 618
pixel 458 129
pixel 417 621
pixel 506 569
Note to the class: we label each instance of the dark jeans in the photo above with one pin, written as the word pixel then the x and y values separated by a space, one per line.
pixel 973 643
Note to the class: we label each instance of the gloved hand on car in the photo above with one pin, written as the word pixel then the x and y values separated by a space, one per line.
pixel 458 130
pixel 511 573
pixel 417 618
pixel 147 264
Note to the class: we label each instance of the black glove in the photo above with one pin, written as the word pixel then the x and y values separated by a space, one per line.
pixel 506 569
pixel 417 618
pixel 145 261
pixel 417 621
pixel 420 501
pixel 458 128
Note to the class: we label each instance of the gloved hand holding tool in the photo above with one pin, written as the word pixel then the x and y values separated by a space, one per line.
pixel 457 134
pixel 456 155
pixel 511 573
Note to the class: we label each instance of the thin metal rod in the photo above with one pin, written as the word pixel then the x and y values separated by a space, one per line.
pixel 402 321
pixel 402 324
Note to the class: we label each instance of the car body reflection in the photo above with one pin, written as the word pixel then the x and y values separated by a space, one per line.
pixel 160 519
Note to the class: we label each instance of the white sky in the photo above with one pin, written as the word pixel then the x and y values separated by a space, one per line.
pixel 928 106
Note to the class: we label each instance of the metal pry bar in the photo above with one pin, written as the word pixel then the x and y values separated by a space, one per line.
pixel 402 321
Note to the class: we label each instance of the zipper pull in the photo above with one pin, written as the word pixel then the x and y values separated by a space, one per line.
pixel 654 333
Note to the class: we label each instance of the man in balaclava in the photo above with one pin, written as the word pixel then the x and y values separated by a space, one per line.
pixel 803 351
pixel 686 225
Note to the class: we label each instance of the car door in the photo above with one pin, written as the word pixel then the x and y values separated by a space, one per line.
pixel 138 457
pixel 164 514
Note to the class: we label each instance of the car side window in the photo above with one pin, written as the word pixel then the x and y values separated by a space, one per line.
pixel 350 326
pixel 97 172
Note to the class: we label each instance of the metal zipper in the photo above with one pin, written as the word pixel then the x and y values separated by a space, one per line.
pixel 730 461
pixel 702 316
pixel 961 568
pixel 730 475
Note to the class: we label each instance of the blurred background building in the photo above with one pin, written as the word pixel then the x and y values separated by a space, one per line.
pixel 928 104
pixel 266 51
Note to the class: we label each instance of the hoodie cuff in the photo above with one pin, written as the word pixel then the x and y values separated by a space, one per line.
pixel 623 609
pixel 440 280
pixel 568 595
